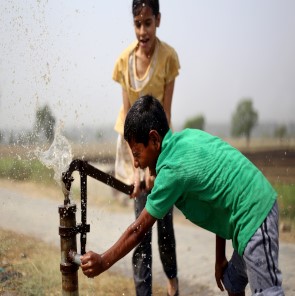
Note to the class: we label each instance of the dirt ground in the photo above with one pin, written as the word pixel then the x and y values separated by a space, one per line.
pixel 276 165
pixel 277 162
pixel 22 203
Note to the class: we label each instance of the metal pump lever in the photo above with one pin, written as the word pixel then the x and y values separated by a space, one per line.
pixel 85 170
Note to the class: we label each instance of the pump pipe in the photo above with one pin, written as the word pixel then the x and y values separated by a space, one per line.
pixel 70 259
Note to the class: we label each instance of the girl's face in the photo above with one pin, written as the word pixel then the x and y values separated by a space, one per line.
pixel 145 25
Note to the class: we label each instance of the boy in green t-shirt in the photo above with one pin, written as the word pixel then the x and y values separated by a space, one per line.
pixel 215 187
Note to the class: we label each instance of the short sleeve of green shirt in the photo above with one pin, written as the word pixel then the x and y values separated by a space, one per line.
pixel 164 194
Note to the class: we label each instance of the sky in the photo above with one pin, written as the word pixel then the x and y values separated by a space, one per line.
pixel 62 53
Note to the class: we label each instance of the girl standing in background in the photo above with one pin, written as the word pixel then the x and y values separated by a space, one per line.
pixel 147 66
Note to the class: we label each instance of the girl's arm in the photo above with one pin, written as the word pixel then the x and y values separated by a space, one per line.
pixel 126 107
pixel 167 100
pixel 126 103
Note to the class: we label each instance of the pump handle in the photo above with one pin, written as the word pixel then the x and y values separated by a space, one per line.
pixel 84 167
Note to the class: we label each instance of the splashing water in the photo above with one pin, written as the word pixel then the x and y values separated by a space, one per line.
pixel 58 156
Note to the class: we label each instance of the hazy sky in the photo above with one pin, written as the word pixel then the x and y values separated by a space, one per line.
pixel 63 52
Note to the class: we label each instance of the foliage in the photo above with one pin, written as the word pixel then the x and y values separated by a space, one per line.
pixel 45 122
pixel 17 169
pixel 197 122
pixel 280 131
pixel 11 140
pixel 286 200
pixel 244 119
pixel 99 135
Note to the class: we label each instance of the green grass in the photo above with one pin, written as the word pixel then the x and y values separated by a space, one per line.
pixel 286 200
pixel 25 169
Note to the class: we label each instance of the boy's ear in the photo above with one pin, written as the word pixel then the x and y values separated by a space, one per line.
pixel 158 20
pixel 155 139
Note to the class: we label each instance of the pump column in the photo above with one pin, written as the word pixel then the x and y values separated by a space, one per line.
pixel 68 242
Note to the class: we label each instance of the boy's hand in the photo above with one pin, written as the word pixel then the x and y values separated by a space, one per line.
pixel 92 264
pixel 219 271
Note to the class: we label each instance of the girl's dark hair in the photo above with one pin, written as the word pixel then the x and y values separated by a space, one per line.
pixel 145 115
pixel 137 6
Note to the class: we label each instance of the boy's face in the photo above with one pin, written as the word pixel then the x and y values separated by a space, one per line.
pixel 147 156
pixel 145 25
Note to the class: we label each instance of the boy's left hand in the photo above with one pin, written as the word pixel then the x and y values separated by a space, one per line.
pixel 219 270
pixel 92 264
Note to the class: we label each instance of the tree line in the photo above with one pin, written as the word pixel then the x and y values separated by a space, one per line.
pixel 42 131
pixel 243 121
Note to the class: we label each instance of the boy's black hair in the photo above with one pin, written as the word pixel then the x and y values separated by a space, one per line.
pixel 137 6
pixel 145 115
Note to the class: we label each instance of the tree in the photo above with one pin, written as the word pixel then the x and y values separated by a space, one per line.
pixel 244 119
pixel 280 132
pixel 45 122
pixel 197 122
pixel 11 139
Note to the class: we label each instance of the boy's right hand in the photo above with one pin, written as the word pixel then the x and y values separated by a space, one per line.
pixel 91 264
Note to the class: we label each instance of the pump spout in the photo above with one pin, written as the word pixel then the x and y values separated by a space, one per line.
pixel 74 257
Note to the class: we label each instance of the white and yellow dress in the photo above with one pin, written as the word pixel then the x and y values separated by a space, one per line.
pixel 163 68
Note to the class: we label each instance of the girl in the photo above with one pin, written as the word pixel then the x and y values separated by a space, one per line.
pixel 147 66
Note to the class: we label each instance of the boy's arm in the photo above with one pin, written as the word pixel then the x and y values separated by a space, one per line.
pixel 93 264
pixel 220 261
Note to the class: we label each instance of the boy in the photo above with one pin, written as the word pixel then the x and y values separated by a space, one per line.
pixel 215 187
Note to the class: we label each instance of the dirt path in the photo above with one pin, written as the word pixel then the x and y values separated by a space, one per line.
pixel 29 215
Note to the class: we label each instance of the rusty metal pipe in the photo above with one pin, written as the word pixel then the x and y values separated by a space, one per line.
pixel 67 232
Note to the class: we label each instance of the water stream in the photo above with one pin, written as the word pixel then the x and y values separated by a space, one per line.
pixel 58 156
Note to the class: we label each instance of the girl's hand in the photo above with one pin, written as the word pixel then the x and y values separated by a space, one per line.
pixel 136 190
pixel 149 180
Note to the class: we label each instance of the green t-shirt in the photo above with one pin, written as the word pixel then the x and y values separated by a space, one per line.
pixel 213 185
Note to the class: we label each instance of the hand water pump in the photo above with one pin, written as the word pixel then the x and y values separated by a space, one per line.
pixel 68 228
